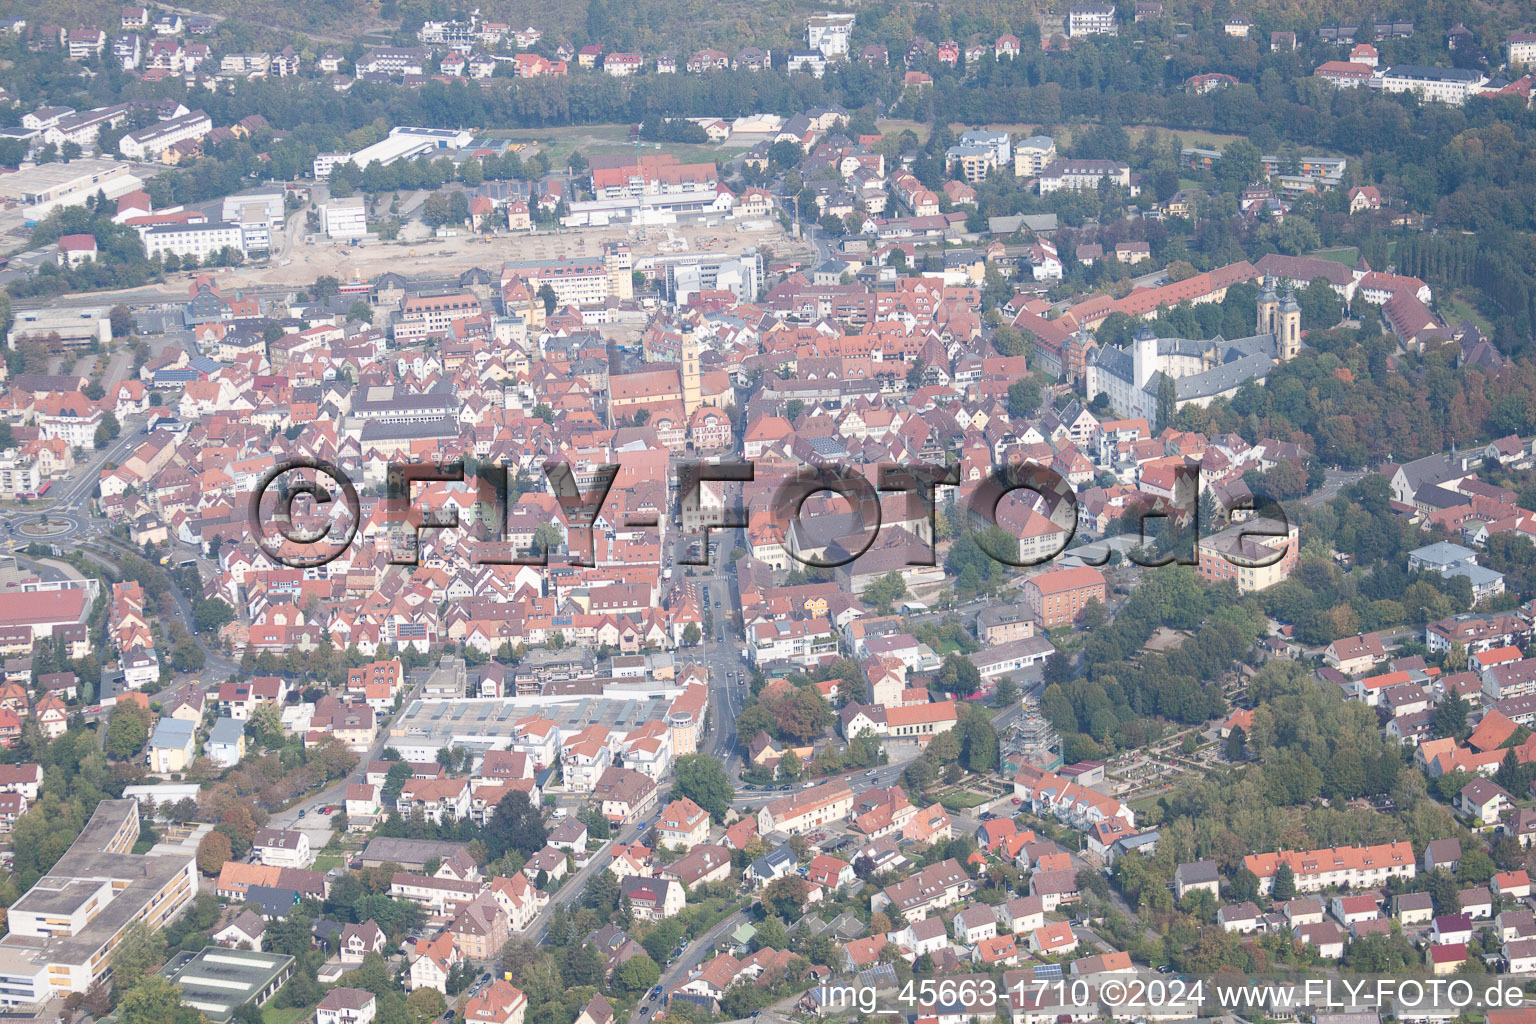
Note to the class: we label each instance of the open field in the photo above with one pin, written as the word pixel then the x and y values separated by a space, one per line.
pixel 1188 136
pixel 605 139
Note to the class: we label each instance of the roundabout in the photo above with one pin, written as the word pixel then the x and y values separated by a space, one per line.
pixel 47 526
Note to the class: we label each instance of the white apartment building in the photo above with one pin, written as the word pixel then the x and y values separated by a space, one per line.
pixel 802 641
pixel 582 282
pixel 812 62
pixel 75 427
pixel 283 848
pixel 19 474
pixel 346 1006
pixel 1082 175
pixel 1092 20
pixel 200 240
pixel 829 33
pixel 1033 155
pixel 1433 84
pixel 149 143
pixel 1522 49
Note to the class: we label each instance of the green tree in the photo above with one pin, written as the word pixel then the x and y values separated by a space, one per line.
pixel 786 896
pixel 802 714
pixel 186 655
pixel 1241 165
pixel 548 297
pixel 266 726
pixel 210 616
pixel 637 974
pixel 1023 397
pixel 703 780
pixel 150 1000
pixel 1010 341
pixel 979 751
pixel 1450 717
pixel 127 730
pixel 1244 886
pixel 108 429
pixel 920 774
pixel 958 676
pixel 141 950
pixel 423 1005
pixel 516 825
pixel 886 591
pixel 1284 886
pixel 1167 400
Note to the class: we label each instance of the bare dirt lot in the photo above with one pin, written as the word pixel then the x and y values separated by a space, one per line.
pixel 460 252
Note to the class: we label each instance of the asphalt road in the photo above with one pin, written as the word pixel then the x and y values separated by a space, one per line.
pixel 696 952
pixel 65 502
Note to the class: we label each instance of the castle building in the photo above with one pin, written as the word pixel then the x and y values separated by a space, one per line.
pixel 1199 371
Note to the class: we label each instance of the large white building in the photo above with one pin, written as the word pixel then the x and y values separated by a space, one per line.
pixel 580 282
pixel 149 143
pixel 73 328
pixel 200 240
pixel 63 931
pixel 690 273
pixel 257 214
pixel 403 142
pixel 1092 20
pixel 1083 175
pixel 1522 49
pixel 1199 370
pixel 47 187
pixel 346 218
pixel 1033 155
pixel 1441 85
pixel 829 33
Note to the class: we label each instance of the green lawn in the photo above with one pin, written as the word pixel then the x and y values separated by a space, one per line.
pixel 326 861
pixel 1457 309
pixel 288 1015
pixel 1347 255
pixel 963 800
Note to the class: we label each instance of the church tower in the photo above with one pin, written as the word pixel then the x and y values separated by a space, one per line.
pixel 1288 337
pixel 688 350
pixel 1269 309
